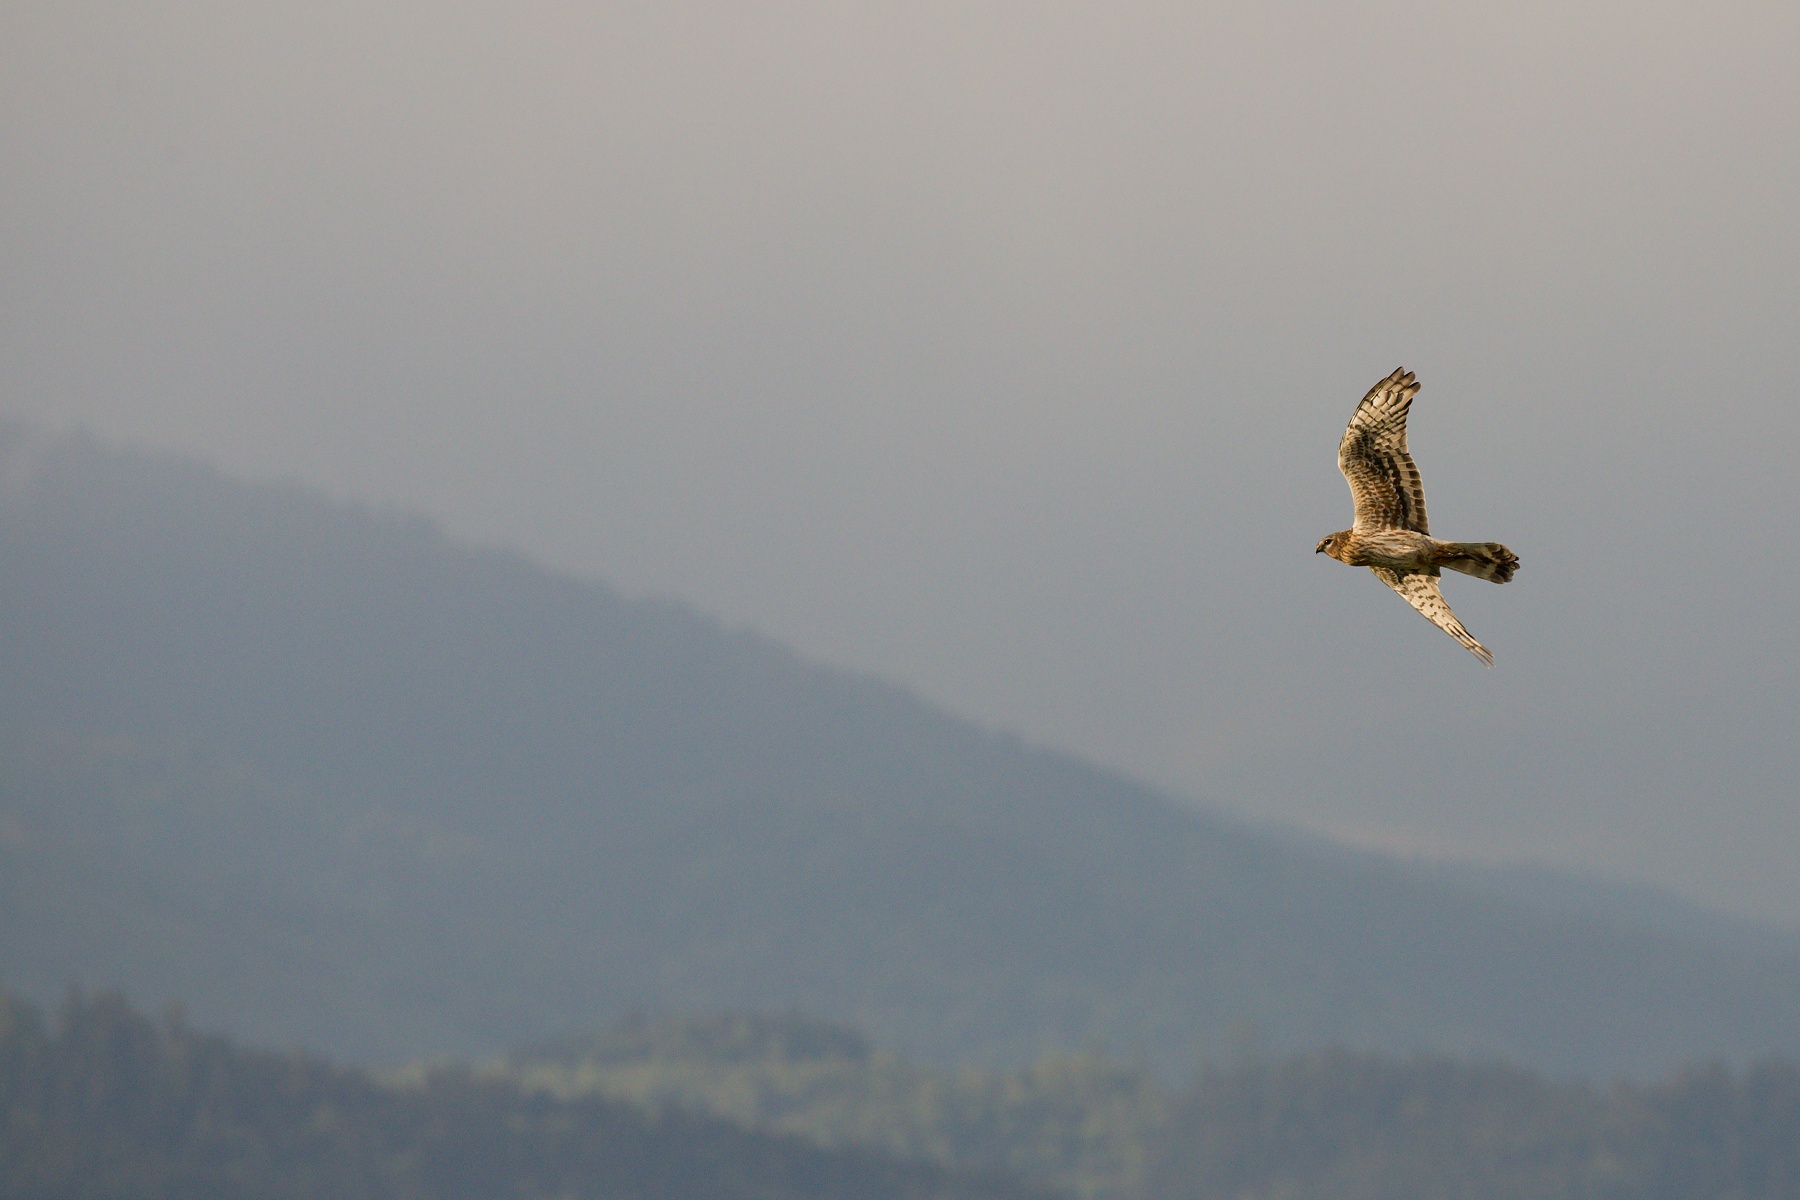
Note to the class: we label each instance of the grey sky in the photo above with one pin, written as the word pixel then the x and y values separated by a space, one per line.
pixel 1003 350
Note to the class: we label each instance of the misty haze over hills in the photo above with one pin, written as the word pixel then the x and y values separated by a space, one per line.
pixel 1001 349
pixel 328 776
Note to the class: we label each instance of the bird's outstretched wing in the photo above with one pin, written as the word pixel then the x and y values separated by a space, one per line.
pixel 1384 481
pixel 1421 591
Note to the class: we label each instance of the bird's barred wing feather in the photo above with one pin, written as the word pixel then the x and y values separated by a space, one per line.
pixel 1384 480
pixel 1421 591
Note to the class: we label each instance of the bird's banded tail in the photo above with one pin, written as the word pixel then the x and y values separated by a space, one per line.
pixel 1484 560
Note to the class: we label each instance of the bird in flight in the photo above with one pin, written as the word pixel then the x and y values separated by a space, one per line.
pixel 1390 536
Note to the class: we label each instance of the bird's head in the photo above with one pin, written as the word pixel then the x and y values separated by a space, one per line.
pixel 1331 542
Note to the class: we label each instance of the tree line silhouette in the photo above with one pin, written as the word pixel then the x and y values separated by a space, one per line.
pixel 103 1103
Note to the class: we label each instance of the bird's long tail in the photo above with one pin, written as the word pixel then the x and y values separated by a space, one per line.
pixel 1484 560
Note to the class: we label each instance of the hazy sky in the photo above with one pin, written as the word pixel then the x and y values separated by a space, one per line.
pixel 1003 349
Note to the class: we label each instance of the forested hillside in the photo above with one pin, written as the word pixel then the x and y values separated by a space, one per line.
pixel 105 1104
pixel 331 777
pixel 1083 1122
pixel 1330 1125
pixel 1356 1127
pixel 102 1103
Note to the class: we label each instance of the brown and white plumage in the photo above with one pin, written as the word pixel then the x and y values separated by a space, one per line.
pixel 1384 480
pixel 1420 589
pixel 1391 536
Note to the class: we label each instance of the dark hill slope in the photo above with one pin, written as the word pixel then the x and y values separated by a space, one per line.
pixel 110 1106
pixel 328 775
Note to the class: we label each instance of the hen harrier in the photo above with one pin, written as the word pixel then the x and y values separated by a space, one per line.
pixel 1390 536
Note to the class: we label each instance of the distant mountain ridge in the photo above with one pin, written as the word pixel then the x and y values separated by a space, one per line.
pixel 330 776
pixel 1635 905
